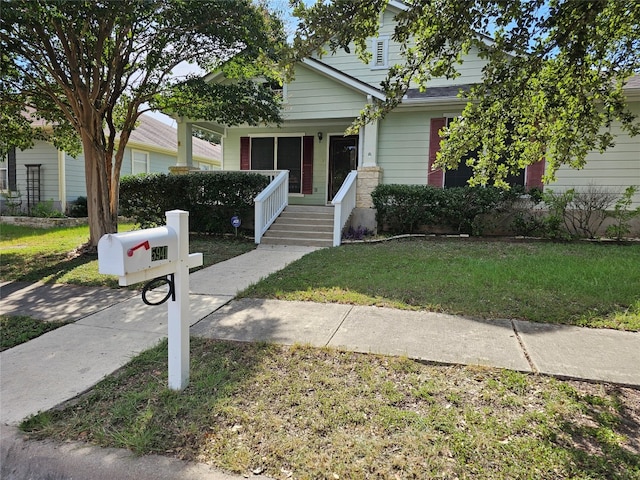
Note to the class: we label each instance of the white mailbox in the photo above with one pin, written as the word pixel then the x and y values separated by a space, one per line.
pixel 144 255
pixel 138 255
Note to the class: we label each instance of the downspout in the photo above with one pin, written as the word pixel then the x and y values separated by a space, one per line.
pixel 62 180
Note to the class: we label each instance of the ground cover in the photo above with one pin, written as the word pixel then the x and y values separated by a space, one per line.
pixel 15 330
pixel 586 284
pixel 300 412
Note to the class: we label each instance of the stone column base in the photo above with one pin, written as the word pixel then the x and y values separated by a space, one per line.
pixel 182 169
pixel 368 179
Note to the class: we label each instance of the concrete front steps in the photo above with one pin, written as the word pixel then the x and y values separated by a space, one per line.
pixel 308 226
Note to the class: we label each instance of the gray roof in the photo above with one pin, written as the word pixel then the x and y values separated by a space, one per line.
pixel 633 82
pixel 449 91
pixel 154 133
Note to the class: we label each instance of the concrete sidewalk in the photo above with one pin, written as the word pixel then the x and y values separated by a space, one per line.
pixel 113 326
pixel 563 351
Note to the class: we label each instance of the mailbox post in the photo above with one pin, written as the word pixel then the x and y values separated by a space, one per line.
pixel 178 311
pixel 144 255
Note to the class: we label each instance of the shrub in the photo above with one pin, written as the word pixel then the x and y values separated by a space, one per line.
pixel 78 208
pixel 45 210
pixel 587 210
pixel 210 199
pixel 407 208
pixel 404 208
pixel 12 202
pixel 622 214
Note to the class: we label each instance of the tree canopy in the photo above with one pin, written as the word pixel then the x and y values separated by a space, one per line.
pixel 90 68
pixel 551 86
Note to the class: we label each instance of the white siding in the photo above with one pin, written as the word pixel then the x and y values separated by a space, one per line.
pixel 615 169
pixel 312 95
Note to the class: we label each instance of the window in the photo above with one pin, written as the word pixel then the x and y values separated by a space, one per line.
pixel 279 153
pixel 139 162
pixel 460 176
pixel 275 87
pixel 4 175
pixel 380 48
pixel 8 171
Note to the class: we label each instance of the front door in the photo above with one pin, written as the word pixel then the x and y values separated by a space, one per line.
pixel 343 157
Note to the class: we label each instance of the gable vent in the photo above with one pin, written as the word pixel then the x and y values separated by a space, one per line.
pixel 380 46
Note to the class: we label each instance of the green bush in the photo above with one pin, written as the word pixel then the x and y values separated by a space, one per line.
pixel 623 214
pixel 78 208
pixel 409 208
pixel 210 199
pixel 45 209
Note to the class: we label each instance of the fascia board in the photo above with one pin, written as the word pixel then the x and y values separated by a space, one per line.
pixel 343 78
pixel 431 102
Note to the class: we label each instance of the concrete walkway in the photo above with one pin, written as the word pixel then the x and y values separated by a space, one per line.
pixel 113 326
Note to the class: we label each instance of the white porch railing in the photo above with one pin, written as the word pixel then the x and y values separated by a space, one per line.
pixel 271 201
pixel 344 202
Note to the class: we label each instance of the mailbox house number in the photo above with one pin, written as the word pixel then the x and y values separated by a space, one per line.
pixel 159 253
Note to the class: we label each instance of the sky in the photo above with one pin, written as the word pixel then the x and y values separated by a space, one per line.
pixel 181 70
pixel 280 6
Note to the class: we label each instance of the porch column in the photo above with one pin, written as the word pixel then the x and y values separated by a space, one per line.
pixel 185 143
pixel 370 145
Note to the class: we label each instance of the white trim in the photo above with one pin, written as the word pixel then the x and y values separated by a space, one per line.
pixel 380 45
pixel 133 162
pixel 343 78
pixel 4 173
pixel 399 5
pixel 327 139
pixel 275 153
pixel 267 134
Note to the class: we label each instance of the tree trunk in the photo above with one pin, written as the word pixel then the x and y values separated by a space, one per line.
pixel 102 212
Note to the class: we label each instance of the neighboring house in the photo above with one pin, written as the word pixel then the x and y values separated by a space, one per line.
pixel 43 173
pixel 328 94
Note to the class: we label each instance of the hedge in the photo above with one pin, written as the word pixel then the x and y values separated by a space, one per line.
pixel 210 199
pixel 411 208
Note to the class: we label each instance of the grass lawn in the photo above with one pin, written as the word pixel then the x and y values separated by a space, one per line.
pixel 305 413
pixel 587 284
pixel 300 412
pixel 15 330
pixel 47 255
pixel 31 254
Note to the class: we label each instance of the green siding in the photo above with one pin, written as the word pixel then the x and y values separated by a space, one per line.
pixel 403 146
pixel 231 155
pixel 312 95
pixel 470 70
pixel 615 169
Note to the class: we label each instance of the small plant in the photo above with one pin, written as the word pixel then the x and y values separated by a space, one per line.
pixel 45 210
pixel 12 202
pixel 622 214
pixel 357 233
pixel 555 221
